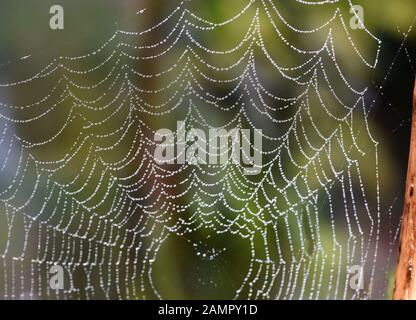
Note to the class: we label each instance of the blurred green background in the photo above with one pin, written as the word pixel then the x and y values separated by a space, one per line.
pixel 178 272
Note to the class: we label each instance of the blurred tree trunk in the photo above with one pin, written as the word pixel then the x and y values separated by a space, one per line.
pixel 405 286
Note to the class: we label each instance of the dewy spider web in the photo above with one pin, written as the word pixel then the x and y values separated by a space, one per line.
pixel 85 192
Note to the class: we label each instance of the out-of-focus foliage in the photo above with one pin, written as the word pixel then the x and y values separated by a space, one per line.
pixel 24 30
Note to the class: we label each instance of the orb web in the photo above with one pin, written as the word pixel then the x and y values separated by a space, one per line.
pixel 80 187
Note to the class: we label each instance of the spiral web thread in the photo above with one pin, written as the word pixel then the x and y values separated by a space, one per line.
pixel 86 193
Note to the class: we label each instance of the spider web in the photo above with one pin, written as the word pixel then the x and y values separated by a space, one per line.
pixel 85 192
